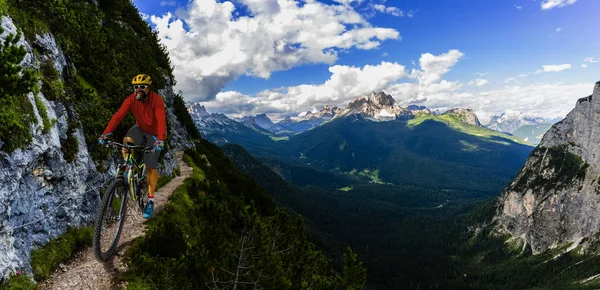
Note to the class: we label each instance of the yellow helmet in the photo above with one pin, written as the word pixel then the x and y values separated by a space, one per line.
pixel 141 79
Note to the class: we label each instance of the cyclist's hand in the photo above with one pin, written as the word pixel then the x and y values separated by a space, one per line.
pixel 158 145
pixel 102 139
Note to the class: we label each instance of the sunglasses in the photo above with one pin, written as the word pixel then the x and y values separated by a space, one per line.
pixel 141 87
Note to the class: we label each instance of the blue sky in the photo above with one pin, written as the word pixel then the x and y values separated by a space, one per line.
pixel 529 53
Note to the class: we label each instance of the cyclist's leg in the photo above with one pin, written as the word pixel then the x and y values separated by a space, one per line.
pixel 135 136
pixel 151 161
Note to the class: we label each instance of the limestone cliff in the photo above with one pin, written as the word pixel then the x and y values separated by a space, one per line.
pixel 555 198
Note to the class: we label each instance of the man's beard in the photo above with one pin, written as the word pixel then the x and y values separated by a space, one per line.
pixel 141 96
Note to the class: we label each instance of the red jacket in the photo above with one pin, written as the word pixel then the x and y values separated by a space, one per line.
pixel 149 115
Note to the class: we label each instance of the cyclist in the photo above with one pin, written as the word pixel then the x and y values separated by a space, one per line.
pixel 150 122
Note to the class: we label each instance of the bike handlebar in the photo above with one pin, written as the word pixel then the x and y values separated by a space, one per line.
pixel 108 143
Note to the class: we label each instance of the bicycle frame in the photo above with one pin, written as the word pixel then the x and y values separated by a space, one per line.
pixel 129 168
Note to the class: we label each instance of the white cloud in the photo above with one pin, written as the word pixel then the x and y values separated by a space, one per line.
pixel 384 54
pixel 348 82
pixel 549 4
pixel 389 10
pixel 584 65
pixel 433 67
pixel 478 82
pixel 510 80
pixel 167 3
pixel 553 68
pixel 549 100
pixel 482 74
pixel 210 46
pixel 345 84
pixel 559 29
pixel 591 60
pixel 518 6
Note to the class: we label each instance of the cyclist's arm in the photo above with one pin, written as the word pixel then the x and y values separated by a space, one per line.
pixel 119 115
pixel 160 115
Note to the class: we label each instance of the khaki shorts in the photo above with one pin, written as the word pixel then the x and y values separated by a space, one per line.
pixel 142 138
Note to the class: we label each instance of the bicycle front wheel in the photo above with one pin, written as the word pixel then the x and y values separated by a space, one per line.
pixel 110 220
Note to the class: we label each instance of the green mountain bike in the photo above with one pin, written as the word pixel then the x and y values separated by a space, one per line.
pixel 129 182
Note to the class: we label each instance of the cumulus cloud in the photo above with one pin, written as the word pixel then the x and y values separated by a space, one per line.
pixel 549 4
pixel 591 60
pixel 478 82
pixel 210 45
pixel 345 84
pixel 407 87
pixel 553 68
pixel 559 29
pixel 550 100
pixel 584 65
pixel 433 67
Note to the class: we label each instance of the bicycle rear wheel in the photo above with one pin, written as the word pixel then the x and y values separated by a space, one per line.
pixel 110 220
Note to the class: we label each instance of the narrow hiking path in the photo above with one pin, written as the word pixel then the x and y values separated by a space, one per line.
pixel 85 272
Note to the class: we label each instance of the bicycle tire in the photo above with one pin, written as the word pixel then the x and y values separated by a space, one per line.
pixel 104 209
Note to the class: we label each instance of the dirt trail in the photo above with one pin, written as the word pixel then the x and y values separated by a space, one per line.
pixel 85 272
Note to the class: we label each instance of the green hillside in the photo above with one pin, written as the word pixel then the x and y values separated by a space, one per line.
pixel 406 235
pixel 430 152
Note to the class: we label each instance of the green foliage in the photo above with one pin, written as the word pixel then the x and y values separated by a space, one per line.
pixel 18 282
pixel 52 86
pixel 184 117
pixel 59 250
pixel 47 124
pixel 16 111
pixel 162 180
pixel 490 264
pixel 70 146
pixel 2 7
pixel 355 275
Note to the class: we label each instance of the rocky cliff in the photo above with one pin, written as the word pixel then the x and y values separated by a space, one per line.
pixel 41 193
pixel 554 200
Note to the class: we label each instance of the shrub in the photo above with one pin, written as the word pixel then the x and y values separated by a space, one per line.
pixel 16 111
pixel 46 259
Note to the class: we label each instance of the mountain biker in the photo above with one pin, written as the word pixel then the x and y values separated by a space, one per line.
pixel 150 122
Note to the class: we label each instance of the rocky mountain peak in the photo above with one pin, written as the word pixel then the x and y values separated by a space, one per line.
pixel 198 110
pixel 553 200
pixel 377 107
pixel 466 115
pixel 381 99
pixel 261 120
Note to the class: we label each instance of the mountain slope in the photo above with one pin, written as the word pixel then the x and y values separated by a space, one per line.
pixel 399 231
pixel 429 150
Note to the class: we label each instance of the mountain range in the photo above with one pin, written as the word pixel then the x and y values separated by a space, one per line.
pixel 382 107
pixel 385 142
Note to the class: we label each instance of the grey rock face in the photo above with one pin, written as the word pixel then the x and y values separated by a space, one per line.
pixel 41 194
pixel 554 198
